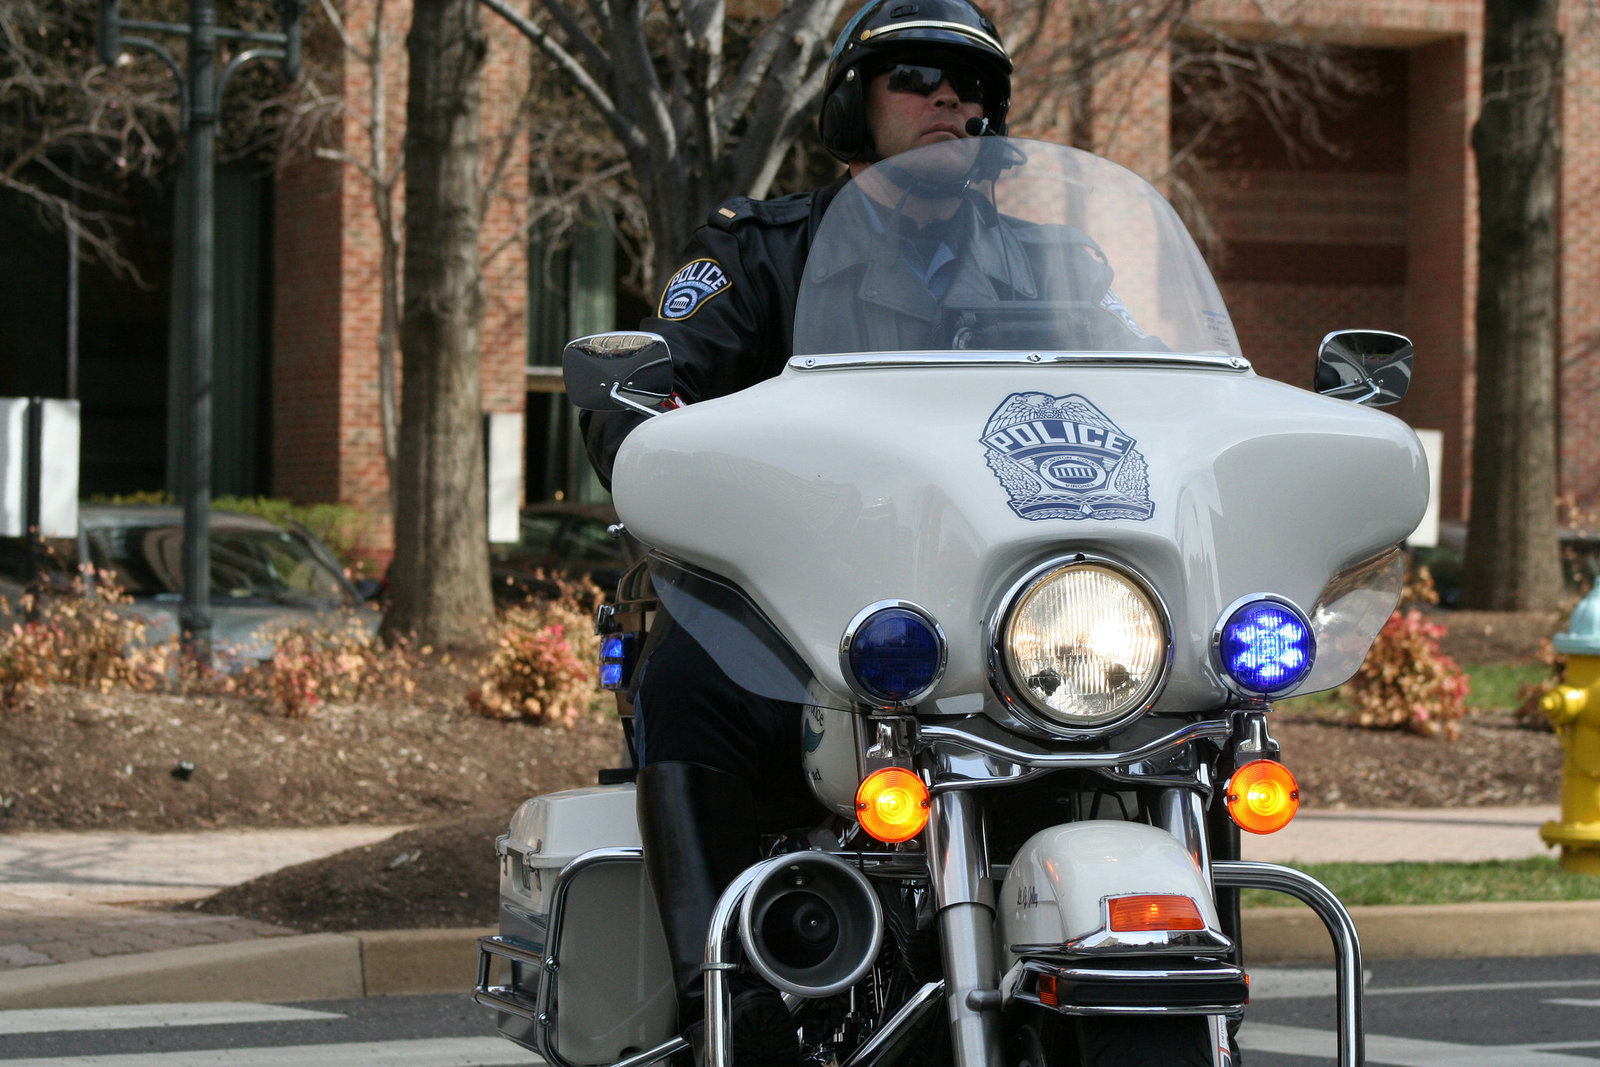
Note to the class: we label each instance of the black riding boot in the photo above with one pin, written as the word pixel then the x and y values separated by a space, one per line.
pixel 699 831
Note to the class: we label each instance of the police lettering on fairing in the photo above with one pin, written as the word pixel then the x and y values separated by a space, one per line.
pixel 694 284
pixel 1060 457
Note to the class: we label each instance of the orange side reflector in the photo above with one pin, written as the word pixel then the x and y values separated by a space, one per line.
pixel 892 804
pixel 1154 911
pixel 1047 990
pixel 1262 796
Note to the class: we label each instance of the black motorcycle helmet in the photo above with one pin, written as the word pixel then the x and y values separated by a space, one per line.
pixel 887 31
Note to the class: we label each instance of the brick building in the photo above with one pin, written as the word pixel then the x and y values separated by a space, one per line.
pixel 1382 235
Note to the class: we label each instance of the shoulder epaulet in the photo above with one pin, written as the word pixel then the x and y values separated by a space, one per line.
pixel 781 211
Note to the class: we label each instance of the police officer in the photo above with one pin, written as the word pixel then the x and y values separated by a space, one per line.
pixel 719 764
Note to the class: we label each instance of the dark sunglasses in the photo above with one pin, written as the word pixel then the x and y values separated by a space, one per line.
pixel 923 80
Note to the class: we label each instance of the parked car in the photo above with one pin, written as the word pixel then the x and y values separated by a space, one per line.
pixel 561 541
pixel 265 578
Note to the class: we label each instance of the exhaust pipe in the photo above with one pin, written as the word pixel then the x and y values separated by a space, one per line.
pixel 811 924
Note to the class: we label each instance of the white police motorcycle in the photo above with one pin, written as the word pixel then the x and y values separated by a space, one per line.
pixel 1036 549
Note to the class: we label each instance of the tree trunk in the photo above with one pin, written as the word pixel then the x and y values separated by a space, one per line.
pixel 1512 559
pixel 441 567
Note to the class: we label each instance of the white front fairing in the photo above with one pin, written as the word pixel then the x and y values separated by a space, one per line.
pixel 825 490
pixel 1054 897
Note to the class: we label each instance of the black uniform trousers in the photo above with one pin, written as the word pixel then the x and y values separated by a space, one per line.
pixel 687 710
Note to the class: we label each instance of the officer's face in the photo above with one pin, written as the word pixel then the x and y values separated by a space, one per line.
pixel 905 118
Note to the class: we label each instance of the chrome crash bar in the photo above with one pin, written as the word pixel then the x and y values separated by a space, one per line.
pixel 1246 874
pixel 928 734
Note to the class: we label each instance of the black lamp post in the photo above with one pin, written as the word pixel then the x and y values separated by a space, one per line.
pixel 201 92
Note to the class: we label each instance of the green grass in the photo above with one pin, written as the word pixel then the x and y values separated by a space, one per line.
pixel 1495 686
pixel 1499 685
pixel 1359 884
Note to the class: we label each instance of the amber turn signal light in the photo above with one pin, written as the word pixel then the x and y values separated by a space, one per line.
pixel 892 804
pixel 1145 912
pixel 1262 796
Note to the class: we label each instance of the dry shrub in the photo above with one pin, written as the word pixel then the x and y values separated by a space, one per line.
pixel 1407 681
pixel 1529 712
pixel 81 636
pixel 311 666
pixel 545 665
pixel 84 636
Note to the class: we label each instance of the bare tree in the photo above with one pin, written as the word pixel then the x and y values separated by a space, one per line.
pixel 1512 559
pixel 1063 50
pixel 441 592
pixel 72 132
pixel 695 125
pixel 1292 84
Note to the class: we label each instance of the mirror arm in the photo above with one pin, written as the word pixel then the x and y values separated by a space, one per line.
pixel 617 395
pixel 1368 384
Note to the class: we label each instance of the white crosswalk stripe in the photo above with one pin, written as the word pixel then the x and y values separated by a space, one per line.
pixel 1408 1052
pixel 132 1016
pixel 432 1052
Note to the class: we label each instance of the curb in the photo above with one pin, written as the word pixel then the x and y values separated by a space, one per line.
pixel 271 969
pixel 392 962
pixel 1435 931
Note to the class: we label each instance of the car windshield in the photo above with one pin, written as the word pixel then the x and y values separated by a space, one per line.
pixel 247 564
pixel 994 244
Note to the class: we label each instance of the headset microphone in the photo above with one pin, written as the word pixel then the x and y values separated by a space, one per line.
pixel 977 127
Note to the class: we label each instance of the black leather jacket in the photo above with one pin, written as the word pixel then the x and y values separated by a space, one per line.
pixel 728 312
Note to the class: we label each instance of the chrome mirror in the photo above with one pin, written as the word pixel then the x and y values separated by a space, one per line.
pixel 612 371
pixel 1364 367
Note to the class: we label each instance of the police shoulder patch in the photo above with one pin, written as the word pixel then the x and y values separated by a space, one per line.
pixel 696 282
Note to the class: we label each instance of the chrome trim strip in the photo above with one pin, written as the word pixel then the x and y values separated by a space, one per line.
pixel 1136 978
pixel 956 358
pixel 895 28
pixel 1247 874
pixel 928 734
pixel 1102 944
pixel 910 1014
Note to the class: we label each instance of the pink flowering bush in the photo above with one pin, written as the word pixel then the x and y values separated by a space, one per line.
pixel 545 664
pixel 311 667
pixel 1407 681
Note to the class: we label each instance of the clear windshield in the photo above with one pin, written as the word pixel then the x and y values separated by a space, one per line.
pixel 998 244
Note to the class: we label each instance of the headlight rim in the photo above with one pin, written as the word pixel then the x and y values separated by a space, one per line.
pixel 1014 696
pixel 847 641
pixel 1228 680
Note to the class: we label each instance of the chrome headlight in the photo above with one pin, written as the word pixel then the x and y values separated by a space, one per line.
pixel 1083 643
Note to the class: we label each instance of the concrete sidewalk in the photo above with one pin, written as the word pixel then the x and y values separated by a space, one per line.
pixel 1391 835
pixel 77 925
pixel 68 897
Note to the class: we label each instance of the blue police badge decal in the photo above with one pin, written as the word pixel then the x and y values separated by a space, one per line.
pixel 695 283
pixel 1059 457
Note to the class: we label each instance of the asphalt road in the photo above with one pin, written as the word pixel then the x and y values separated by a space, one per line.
pixel 1420 1013
pixel 1435 1013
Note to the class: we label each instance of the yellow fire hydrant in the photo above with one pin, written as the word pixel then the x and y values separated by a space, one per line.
pixel 1574 709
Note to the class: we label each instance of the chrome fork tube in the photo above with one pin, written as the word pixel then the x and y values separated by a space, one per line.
pixel 964 893
pixel 1182 813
